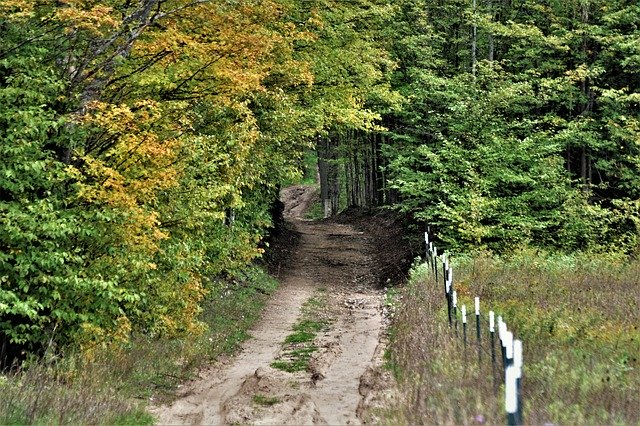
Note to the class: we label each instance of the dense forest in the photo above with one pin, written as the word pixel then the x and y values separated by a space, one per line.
pixel 143 143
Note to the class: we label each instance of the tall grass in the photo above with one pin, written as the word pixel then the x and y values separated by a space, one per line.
pixel 114 384
pixel 578 318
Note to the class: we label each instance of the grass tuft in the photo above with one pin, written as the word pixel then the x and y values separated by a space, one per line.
pixel 266 401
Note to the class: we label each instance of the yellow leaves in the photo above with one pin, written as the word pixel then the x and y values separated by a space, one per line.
pixel 93 338
pixel 17 9
pixel 129 175
pixel 81 14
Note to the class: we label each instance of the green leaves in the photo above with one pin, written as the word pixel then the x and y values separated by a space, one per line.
pixel 534 144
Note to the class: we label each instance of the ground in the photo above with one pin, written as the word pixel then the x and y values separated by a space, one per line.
pixel 334 276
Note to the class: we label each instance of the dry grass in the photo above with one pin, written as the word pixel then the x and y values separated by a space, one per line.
pixel 44 394
pixel 578 318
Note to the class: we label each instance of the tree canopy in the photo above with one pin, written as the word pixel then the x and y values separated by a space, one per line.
pixel 144 143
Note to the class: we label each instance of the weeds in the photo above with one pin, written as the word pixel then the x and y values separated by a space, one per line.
pixel 577 316
pixel 266 401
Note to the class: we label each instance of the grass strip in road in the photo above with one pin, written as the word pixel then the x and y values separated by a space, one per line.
pixel 299 346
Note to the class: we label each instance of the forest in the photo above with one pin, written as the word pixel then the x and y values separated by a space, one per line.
pixel 144 143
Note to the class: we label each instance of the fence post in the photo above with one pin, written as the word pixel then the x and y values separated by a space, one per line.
pixel 510 382
pixel 447 287
pixel 476 301
pixel 464 325
pixel 427 247
pixel 502 328
pixel 511 399
pixel 517 363
pixel 492 335
pixel 435 266
pixel 455 310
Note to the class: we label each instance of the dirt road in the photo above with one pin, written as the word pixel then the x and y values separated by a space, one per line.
pixel 333 265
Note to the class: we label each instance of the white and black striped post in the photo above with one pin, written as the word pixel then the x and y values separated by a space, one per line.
pixel 511 398
pixel 446 269
pixel 477 306
pixel 510 382
pixel 517 363
pixel 431 256
pixel 508 348
pixel 502 328
pixel 454 295
pixel 492 338
pixel 464 325
pixel 427 248
pixel 435 263
pixel 476 302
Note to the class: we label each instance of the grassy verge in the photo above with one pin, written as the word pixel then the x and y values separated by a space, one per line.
pixel 578 318
pixel 114 386
pixel 299 345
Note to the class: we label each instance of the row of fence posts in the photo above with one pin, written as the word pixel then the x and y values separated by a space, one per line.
pixel 511 349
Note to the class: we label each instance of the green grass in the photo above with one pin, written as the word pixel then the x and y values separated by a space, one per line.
pixel 298 346
pixel 578 319
pixel 266 401
pixel 114 384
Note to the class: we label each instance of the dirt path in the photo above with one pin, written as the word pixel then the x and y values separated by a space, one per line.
pixel 332 261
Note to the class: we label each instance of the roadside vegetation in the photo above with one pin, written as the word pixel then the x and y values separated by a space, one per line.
pixel 577 316
pixel 113 384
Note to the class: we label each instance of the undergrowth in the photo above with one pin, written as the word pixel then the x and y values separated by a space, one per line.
pixel 578 319
pixel 113 385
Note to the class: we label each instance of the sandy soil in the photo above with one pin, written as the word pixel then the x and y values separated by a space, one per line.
pixel 344 383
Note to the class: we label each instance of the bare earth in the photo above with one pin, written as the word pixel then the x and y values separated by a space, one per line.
pixel 345 382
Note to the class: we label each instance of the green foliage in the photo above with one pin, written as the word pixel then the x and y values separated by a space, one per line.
pixel 144 146
pixel 530 144
pixel 110 387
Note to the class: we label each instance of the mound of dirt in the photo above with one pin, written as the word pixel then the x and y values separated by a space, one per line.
pixel 393 252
